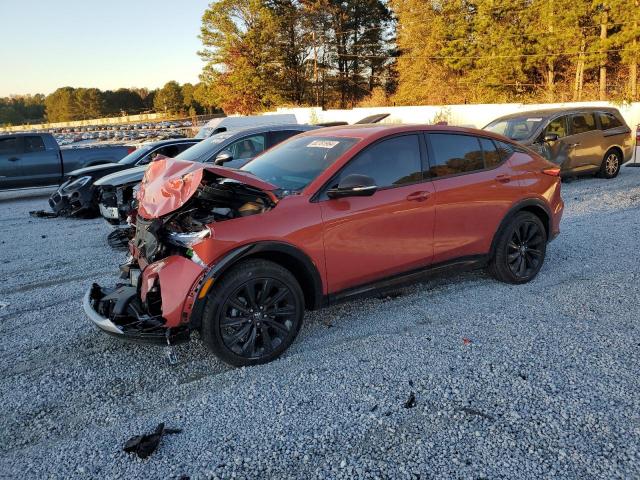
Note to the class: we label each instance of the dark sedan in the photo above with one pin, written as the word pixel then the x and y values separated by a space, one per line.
pixel 78 194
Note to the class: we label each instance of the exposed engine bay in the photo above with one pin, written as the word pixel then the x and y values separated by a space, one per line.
pixel 216 199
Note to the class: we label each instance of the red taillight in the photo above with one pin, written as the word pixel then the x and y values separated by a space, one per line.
pixel 553 171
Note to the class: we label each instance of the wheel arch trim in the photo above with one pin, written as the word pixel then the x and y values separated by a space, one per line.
pixel 313 292
pixel 524 205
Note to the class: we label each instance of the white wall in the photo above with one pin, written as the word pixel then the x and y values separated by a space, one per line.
pixel 477 115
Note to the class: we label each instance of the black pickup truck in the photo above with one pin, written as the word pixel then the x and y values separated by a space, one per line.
pixel 35 159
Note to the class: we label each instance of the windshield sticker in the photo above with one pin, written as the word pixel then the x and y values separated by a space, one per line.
pixel 323 144
pixel 534 119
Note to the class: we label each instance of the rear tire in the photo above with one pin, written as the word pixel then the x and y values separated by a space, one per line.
pixel 611 164
pixel 253 314
pixel 519 250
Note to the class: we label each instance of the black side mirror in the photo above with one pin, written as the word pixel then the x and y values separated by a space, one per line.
pixel 354 185
pixel 223 157
pixel 550 137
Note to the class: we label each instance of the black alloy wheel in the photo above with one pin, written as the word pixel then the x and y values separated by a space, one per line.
pixel 520 249
pixel 254 314
pixel 258 317
pixel 523 251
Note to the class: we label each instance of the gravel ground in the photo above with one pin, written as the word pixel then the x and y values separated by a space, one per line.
pixel 533 381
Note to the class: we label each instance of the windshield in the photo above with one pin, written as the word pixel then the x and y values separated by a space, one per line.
pixel 136 155
pixel 294 164
pixel 203 150
pixel 517 129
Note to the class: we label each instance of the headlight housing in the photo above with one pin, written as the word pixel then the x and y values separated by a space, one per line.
pixel 77 183
pixel 187 240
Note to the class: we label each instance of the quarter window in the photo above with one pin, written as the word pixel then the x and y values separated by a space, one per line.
pixel 582 122
pixel 392 162
pixel 492 157
pixel 608 120
pixel 454 154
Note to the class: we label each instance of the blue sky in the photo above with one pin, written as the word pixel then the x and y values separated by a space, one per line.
pixel 109 44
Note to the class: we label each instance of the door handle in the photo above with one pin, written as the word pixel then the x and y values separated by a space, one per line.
pixel 418 196
pixel 14 159
pixel 574 144
pixel 503 178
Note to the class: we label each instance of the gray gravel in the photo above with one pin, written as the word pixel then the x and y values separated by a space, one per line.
pixel 534 381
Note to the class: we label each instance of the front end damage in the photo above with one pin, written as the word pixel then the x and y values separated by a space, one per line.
pixel 179 205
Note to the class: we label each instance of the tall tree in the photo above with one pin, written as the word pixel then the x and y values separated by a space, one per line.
pixel 239 50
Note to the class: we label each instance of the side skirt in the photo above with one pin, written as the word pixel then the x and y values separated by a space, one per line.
pixel 407 278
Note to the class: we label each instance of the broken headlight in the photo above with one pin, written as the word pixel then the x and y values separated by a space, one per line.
pixel 78 183
pixel 188 239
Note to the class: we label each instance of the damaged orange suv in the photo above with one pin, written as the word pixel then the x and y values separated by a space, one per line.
pixel 328 215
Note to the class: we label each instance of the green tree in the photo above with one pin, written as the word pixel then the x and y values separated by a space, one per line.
pixel 239 50
pixel 169 98
pixel 61 105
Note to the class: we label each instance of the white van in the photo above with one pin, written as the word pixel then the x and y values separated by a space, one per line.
pixel 217 125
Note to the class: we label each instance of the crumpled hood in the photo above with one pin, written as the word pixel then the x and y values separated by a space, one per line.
pixel 168 184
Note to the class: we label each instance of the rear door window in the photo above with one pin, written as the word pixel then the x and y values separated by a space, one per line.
pixel 392 162
pixel 608 120
pixel 454 154
pixel 8 146
pixel 281 135
pixel 33 144
pixel 582 122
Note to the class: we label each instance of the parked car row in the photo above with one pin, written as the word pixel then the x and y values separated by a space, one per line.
pixel 236 234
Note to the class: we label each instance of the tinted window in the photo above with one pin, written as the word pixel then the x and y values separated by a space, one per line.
pixel 8 146
pixel 282 135
pixel 293 165
pixel 33 144
pixel 136 155
pixel 608 120
pixel 391 162
pixel 582 122
pixel 557 126
pixel 492 157
pixel 454 154
pixel 519 128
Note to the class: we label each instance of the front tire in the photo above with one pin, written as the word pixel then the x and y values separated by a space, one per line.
pixel 519 250
pixel 611 164
pixel 254 314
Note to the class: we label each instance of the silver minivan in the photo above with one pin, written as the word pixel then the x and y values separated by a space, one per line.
pixel 586 140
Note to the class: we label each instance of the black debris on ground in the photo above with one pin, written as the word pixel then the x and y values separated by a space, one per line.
pixel 411 401
pixel 145 445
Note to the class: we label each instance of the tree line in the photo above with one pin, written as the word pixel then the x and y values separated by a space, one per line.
pixel 260 54
pixel 343 53
pixel 68 103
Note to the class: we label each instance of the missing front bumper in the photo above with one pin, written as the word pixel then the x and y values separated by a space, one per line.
pixel 120 312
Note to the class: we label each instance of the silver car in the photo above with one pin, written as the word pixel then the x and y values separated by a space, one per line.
pixel 587 140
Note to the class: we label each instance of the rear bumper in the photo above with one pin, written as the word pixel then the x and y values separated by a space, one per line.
pixel 120 313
